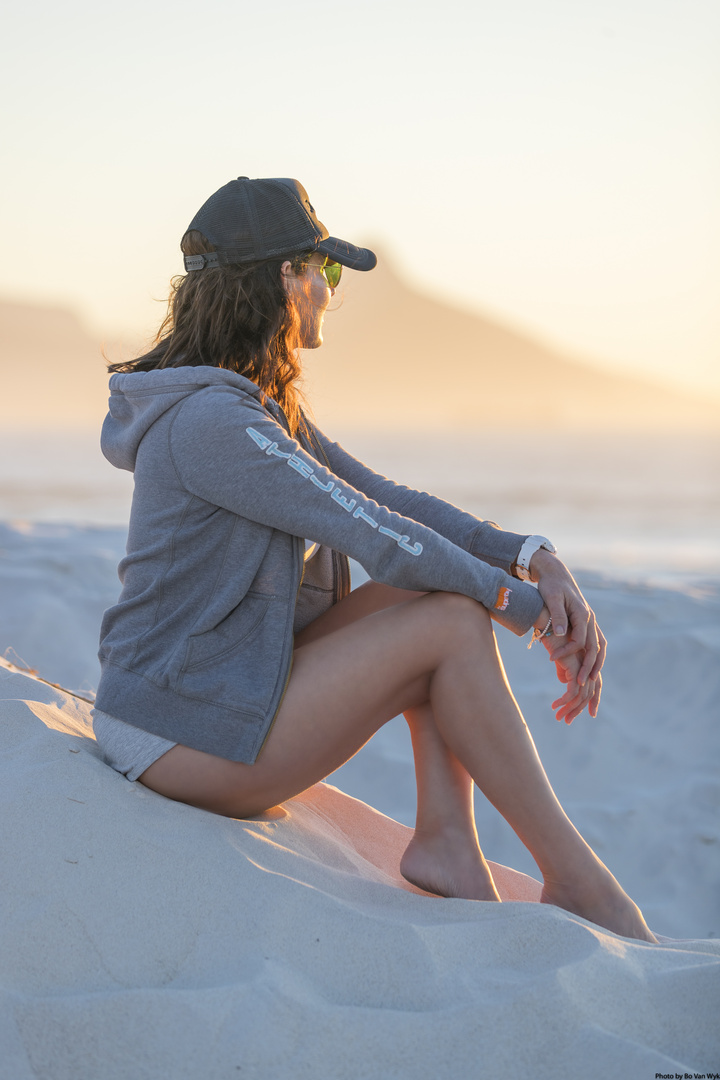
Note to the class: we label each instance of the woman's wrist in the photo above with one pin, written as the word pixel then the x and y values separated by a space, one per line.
pixel 542 619
pixel 543 562
pixel 542 628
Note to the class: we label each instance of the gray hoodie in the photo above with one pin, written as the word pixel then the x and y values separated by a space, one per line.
pixel 199 647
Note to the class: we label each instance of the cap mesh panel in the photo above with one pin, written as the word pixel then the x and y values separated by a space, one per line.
pixel 281 220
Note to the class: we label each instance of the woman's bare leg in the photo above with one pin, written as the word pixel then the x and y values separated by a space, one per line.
pixel 444 855
pixel 438 648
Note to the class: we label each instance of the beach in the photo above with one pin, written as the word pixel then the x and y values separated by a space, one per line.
pixel 290 945
pixel 142 937
pixel 537 344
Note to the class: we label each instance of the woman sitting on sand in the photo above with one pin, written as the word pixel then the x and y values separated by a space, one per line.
pixel 237 667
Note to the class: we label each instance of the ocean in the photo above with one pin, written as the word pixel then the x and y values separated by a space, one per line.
pixel 635 507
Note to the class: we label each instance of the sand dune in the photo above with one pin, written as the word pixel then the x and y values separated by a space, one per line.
pixel 141 937
pixel 641 781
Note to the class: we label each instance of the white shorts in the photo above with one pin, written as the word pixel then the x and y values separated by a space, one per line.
pixel 127 748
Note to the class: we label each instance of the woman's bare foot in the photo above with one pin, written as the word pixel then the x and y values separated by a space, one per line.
pixel 448 863
pixel 601 901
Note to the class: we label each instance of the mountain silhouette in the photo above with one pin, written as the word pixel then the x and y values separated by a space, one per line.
pixel 392 359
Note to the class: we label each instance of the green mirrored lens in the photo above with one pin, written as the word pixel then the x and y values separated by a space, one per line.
pixel 332 272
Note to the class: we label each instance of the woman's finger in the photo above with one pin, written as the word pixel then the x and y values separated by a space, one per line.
pixel 572 692
pixel 566 699
pixel 574 711
pixel 572 703
pixel 592 650
pixel 600 660
pixel 555 603
pixel 578 618
pixel 595 699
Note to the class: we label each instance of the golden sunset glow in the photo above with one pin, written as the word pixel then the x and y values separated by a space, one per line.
pixel 554 166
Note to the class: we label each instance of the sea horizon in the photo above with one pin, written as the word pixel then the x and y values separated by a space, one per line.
pixel 639 507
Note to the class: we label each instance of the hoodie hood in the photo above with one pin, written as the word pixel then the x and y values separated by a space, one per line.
pixel 139 398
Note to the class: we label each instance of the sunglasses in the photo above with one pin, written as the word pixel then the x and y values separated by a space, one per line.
pixel 332 272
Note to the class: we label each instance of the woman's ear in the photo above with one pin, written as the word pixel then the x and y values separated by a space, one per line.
pixel 285 272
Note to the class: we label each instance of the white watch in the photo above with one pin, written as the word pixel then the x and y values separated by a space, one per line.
pixel 531 545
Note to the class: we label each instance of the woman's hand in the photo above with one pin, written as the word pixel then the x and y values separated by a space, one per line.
pixel 573 619
pixel 577 695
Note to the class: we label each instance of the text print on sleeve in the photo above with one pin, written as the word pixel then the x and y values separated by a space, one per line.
pixel 305 470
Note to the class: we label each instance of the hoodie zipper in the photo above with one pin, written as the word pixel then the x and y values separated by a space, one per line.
pixel 290 666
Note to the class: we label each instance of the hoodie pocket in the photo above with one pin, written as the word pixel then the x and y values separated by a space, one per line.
pixel 235 630
pixel 236 664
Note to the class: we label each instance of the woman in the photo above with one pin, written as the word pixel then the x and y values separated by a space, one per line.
pixel 237 668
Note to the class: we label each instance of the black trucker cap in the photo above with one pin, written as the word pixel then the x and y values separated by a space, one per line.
pixel 255 219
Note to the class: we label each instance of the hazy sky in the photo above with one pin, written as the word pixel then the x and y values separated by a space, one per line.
pixel 552 162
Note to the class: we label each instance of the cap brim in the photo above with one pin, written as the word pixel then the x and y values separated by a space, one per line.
pixel 356 258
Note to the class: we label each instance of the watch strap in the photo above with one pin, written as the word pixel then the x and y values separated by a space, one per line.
pixel 532 544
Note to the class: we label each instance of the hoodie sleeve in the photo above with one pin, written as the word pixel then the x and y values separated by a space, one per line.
pixel 483 539
pixel 231 453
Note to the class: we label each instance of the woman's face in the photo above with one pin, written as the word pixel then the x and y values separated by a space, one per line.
pixel 311 295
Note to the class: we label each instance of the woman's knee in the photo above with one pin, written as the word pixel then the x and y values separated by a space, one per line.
pixel 459 618
pixel 457 608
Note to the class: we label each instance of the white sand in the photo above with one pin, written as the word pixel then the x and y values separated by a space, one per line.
pixel 642 782
pixel 143 938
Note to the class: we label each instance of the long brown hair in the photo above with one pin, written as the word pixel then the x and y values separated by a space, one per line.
pixel 237 317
